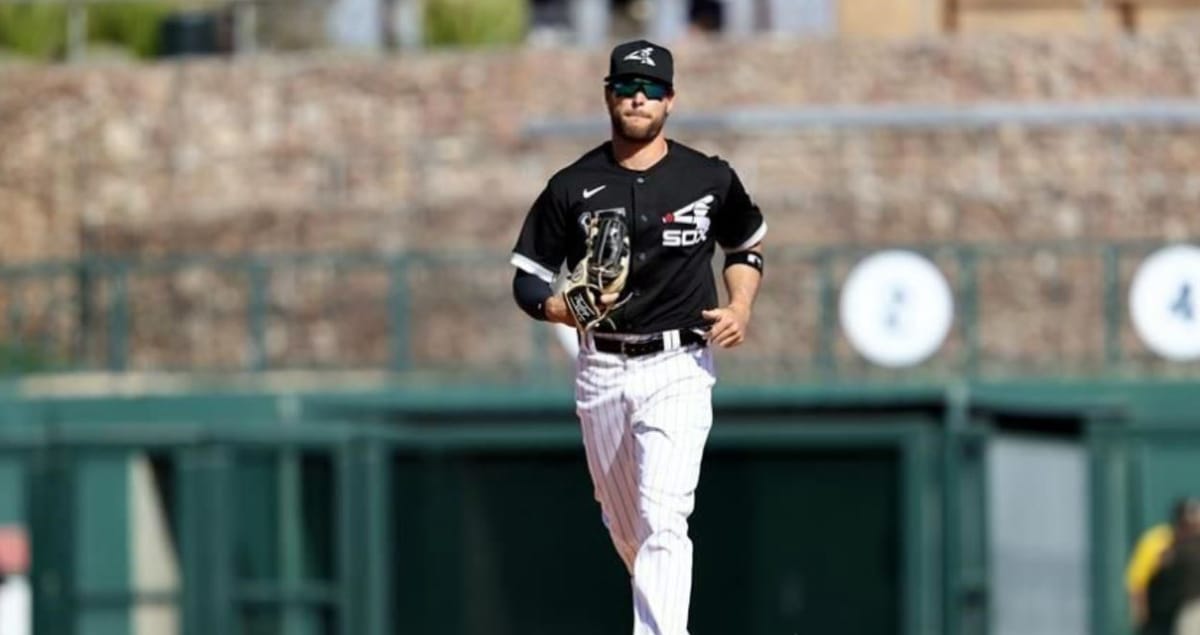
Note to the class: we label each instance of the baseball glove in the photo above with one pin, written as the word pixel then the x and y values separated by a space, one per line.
pixel 602 271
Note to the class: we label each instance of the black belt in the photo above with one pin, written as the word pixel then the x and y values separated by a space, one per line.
pixel 655 344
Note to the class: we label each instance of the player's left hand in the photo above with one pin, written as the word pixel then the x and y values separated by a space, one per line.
pixel 728 325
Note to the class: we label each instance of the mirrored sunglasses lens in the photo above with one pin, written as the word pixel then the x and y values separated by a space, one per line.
pixel 651 90
pixel 654 91
pixel 625 89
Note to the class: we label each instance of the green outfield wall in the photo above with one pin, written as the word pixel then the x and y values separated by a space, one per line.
pixel 468 510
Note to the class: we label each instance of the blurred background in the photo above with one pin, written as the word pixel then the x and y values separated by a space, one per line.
pixel 260 372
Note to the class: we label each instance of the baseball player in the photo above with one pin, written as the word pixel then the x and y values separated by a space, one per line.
pixel 644 373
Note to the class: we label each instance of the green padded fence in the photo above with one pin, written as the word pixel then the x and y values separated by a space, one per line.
pixel 412 511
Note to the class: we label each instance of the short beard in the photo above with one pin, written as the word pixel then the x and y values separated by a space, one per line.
pixel 651 131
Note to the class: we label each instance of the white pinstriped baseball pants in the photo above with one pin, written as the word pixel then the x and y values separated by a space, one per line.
pixel 645 421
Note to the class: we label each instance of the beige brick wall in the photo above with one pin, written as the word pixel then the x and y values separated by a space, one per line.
pixel 274 155
pixel 322 153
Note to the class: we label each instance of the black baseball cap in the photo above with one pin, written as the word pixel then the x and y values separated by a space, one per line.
pixel 641 58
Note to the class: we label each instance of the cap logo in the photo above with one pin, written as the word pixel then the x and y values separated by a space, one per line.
pixel 643 56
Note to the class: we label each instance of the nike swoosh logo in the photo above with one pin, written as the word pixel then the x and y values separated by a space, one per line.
pixel 592 192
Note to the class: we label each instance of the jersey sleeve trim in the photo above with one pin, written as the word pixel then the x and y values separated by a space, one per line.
pixel 753 240
pixel 528 265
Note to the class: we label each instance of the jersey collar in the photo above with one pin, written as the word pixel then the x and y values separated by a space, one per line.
pixel 617 167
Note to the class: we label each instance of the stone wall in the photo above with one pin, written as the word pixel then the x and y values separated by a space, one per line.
pixel 274 155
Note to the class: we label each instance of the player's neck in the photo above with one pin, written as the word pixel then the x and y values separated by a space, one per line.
pixel 633 155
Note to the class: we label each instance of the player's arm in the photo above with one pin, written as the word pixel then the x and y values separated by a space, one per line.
pixel 539 252
pixel 537 298
pixel 743 275
pixel 740 229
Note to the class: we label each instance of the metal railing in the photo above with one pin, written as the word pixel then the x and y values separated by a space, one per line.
pixel 770 120
pixel 1056 309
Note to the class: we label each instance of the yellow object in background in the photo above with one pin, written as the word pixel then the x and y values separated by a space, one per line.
pixel 1147 555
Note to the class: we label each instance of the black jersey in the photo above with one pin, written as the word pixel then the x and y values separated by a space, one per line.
pixel 676 211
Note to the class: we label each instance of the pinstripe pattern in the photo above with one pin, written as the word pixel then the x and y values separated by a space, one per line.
pixel 645 421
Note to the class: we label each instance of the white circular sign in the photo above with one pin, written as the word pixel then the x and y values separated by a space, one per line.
pixel 1163 302
pixel 896 308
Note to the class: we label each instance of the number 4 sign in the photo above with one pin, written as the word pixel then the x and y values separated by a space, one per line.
pixel 1164 302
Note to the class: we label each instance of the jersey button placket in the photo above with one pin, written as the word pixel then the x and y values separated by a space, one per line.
pixel 630 363
pixel 639 255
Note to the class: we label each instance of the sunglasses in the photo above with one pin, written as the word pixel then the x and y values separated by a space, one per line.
pixel 630 87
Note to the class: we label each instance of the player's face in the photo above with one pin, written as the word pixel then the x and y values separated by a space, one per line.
pixel 638 108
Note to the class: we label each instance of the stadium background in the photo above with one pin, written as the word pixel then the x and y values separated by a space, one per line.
pixel 263 373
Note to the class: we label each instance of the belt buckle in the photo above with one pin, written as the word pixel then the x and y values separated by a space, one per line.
pixel 637 348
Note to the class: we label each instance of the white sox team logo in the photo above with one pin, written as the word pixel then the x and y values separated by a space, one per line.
pixel 643 56
pixel 694 214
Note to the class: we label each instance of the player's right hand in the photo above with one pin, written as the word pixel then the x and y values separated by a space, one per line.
pixel 728 325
